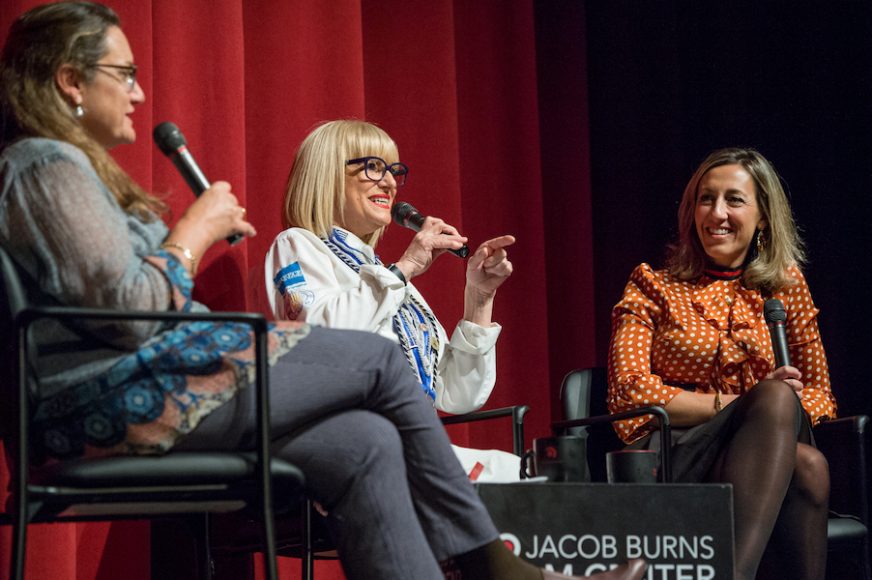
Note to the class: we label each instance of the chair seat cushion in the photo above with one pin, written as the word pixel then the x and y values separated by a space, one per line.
pixel 178 468
pixel 842 530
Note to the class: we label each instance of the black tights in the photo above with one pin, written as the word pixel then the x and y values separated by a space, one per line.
pixel 781 487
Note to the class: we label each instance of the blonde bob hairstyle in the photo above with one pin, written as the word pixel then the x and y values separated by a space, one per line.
pixel 315 198
pixel 781 245
pixel 31 105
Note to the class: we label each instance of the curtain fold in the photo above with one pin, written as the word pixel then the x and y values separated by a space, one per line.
pixel 502 190
pixel 459 86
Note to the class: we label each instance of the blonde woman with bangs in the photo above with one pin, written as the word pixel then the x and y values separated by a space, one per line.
pixel 692 338
pixel 324 270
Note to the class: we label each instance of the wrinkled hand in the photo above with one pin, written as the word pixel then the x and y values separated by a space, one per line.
pixel 218 215
pixel 789 375
pixel 489 266
pixel 433 240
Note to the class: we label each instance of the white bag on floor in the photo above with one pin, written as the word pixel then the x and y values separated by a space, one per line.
pixel 489 465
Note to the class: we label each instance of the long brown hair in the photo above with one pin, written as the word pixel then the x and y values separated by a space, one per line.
pixel 781 246
pixel 31 105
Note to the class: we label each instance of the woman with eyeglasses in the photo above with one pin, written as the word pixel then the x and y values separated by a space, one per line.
pixel 324 270
pixel 82 233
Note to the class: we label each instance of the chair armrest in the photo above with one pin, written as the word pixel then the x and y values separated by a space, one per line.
pixel 516 412
pixel 852 427
pixel 659 414
pixel 30 314
pixel 843 443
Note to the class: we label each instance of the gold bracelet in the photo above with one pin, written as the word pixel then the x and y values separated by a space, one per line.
pixel 718 403
pixel 186 252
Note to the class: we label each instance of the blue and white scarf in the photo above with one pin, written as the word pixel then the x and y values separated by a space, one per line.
pixel 414 324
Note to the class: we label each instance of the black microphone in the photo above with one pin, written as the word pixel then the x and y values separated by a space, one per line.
pixel 776 318
pixel 407 216
pixel 172 143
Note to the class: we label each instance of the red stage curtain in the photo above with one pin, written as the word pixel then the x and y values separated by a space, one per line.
pixel 487 102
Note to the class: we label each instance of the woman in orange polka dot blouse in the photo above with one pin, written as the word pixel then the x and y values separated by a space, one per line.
pixel 692 339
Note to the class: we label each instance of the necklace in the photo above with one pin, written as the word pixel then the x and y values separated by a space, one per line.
pixel 723 273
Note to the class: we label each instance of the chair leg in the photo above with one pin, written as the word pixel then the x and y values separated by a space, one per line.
pixel 205 563
pixel 308 572
pixel 180 549
pixel 21 518
pixel 864 560
pixel 19 548
pixel 270 564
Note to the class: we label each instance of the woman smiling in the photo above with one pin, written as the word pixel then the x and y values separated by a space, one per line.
pixel 324 270
pixel 692 339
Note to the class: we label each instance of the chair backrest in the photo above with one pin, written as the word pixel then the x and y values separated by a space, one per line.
pixel 12 301
pixel 14 298
pixel 583 395
pixel 575 397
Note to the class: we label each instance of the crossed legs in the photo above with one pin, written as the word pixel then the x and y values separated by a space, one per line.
pixel 347 411
pixel 780 487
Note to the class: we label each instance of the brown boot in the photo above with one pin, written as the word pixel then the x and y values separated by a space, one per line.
pixel 632 570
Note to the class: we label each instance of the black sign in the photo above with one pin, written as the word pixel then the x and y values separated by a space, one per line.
pixel 684 531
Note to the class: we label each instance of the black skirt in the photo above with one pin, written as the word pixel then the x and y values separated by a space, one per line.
pixel 695 449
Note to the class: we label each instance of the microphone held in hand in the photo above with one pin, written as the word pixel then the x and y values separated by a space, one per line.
pixel 776 319
pixel 171 142
pixel 407 216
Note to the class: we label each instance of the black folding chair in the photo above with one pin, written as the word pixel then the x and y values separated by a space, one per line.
pixel 575 395
pixel 130 487
pixel 842 441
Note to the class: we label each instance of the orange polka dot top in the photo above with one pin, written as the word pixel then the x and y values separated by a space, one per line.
pixel 709 334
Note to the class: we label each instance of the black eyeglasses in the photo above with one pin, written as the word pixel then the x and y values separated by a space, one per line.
pixel 129 72
pixel 375 169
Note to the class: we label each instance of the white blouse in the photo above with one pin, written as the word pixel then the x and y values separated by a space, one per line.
pixel 340 283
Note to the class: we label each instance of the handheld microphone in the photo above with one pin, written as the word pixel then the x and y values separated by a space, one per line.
pixel 776 318
pixel 407 216
pixel 172 143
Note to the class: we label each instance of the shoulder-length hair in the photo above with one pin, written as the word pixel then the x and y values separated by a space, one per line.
pixel 40 41
pixel 781 246
pixel 315 197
